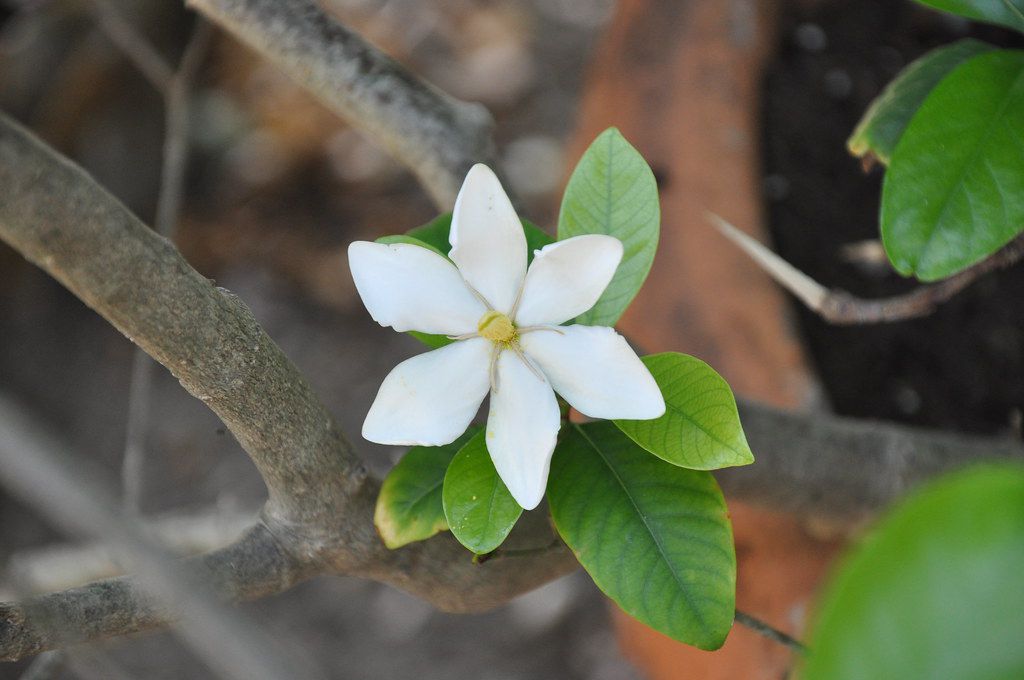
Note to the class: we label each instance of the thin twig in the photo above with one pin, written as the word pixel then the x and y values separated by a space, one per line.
pixel 84 662
pixel 134 46
pixel 519 552
pixel 762 628
pixel 842 308
pixel 176 129
pixel 177 98
pixel 57 567
pixel 46 666
pixel 87 662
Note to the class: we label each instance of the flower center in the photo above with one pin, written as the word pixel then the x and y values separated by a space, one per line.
pixel 496 327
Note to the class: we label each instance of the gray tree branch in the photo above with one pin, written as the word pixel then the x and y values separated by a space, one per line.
pixel 321 501
pixel 435 135
pixel 844 469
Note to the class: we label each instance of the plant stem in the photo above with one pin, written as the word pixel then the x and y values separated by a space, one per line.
pixel 762 628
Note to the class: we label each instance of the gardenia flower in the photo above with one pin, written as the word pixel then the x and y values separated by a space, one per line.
pixel 504 321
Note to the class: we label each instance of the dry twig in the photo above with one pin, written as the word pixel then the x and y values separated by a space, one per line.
pixel 839 307
pixel 774 634
pixel 176 93
pixel 133 45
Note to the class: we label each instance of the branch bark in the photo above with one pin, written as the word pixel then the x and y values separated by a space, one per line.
pixel 435 135
pixel 846 470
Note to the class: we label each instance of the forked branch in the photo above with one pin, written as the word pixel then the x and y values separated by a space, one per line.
pixel 321 501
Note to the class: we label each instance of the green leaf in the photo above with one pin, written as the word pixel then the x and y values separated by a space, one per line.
pixel 935 591
pixel 654 537
pixel 613 191
pixel 884 122
pixel 409 506
pixel 410 240
pixel 1009 13
pixel 701 427
pixel 954 192
pixel 480 510
pixel 434 235
pixel 430 340
pixel 435 232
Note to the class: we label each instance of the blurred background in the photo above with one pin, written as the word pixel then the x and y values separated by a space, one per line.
pixel 277 187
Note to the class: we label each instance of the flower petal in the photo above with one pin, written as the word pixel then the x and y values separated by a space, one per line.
pixel 488 243
pixel 567 277
pixel 596 371
pixel 411 288
pixel 430 399
pixel 522 428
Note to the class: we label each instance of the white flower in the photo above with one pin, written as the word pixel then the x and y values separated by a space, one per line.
pixel 508 341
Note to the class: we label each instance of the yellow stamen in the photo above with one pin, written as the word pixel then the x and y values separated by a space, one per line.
pixel 496 327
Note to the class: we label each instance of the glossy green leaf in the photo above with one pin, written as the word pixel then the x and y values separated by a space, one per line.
pixel 935 591
pixel 430 340
pixel 613 191
pixel 654 537
pixel 1009 13
pixel 701 427
pixel 434 235
pixel 884 122
pixel 435 232
pixel 480 510
pixel 954 192
pixel 410 240
pixel 409 506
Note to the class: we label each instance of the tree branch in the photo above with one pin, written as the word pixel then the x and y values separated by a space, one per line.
pixel 319 517
pixel 845 469
pixel 839 307
pixel 253 567
pixel 321 501
pixel 60 219
pixel 435 135
pixel 56 567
